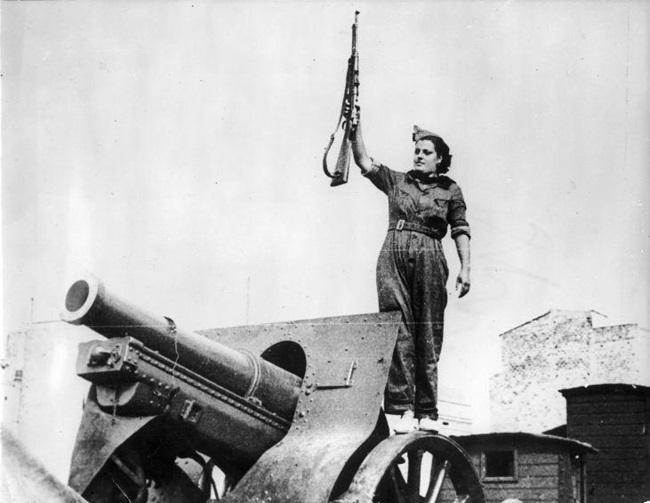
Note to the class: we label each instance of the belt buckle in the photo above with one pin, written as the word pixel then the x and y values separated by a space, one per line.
pixel 400 225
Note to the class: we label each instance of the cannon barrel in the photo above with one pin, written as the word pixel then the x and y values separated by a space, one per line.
pixel 88 303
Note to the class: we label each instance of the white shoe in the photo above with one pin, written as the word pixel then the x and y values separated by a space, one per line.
pixel 432 425
pixel 407 423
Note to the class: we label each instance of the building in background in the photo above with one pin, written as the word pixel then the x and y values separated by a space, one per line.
pixel 561 349
pixel 528 467
pixel 42 395
pixel 601 455
pixel 571 352
pixel 615 419
pixel 455 410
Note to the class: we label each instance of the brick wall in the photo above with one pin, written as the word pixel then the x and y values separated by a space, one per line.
pixel 560 349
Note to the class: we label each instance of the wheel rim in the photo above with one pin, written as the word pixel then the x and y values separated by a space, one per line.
pixel 415 468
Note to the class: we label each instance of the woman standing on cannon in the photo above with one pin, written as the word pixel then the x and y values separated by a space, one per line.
pixel 412 270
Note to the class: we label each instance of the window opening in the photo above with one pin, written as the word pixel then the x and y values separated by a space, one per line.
pixel 500 465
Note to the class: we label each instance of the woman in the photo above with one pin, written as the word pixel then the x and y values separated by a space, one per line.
pixel 412 270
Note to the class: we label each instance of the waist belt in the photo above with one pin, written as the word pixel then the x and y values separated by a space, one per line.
pixel 403 225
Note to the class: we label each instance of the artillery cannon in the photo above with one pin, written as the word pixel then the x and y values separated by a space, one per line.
pixel 292 415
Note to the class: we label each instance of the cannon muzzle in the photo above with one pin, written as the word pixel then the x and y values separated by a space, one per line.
pixel 88 303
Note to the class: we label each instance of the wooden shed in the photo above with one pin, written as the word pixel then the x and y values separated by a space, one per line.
pixel 528 467
pixel 614 418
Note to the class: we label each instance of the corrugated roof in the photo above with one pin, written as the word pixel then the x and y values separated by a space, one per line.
pixel 569 444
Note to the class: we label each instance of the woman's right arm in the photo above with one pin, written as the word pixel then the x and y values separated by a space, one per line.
pixel 361 156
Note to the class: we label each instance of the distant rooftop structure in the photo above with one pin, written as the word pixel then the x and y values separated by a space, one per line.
pixel 561 349
pixel 596 318
pixel 455 410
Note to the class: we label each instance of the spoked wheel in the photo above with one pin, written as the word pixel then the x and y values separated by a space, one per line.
pixel 415 468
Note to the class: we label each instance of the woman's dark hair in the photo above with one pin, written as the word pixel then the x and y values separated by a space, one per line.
pixel 442 149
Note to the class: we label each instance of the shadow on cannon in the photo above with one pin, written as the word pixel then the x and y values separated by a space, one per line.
pixel 283 412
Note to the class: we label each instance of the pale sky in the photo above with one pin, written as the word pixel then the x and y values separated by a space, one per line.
pixel 174 150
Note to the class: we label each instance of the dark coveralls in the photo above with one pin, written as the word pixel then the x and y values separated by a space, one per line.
pixel 411 276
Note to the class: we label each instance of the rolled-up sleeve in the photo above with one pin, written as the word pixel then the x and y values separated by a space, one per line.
pixel 381 176
pixel 456 214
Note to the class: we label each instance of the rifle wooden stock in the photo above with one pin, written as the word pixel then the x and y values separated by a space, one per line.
pixel 342 164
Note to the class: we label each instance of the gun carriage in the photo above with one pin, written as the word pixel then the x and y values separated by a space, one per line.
pixel 284 412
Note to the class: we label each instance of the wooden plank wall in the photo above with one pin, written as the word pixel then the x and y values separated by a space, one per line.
pixel 617 424
pixel 537 478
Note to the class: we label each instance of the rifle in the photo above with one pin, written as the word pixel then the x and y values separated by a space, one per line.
pixel 348 116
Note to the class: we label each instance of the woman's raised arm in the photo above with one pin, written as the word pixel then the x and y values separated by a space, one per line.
pixel 361 156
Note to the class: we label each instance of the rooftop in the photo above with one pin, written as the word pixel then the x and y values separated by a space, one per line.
pixel 563 443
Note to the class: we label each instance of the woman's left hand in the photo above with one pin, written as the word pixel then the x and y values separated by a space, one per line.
pixel 463 282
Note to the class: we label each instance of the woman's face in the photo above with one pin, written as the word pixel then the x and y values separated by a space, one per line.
pixel 425 157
